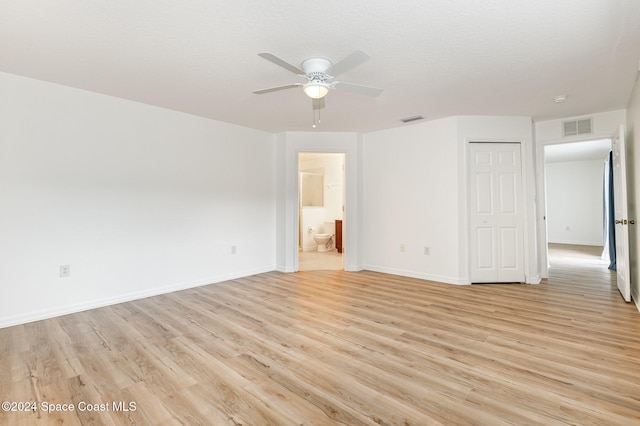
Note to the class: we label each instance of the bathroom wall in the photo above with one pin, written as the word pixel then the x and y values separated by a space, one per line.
pixel 322 220
pixel 311 222
pixel 331 166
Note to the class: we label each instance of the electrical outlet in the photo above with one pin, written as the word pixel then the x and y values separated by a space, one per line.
pixel 402 247
pixel 427 250
pixel 234 249
pixel 65 271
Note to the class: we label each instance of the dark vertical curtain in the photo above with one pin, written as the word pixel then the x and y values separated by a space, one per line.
pixel 609 225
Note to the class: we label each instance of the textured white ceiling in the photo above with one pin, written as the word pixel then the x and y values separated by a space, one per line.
pixel 433 58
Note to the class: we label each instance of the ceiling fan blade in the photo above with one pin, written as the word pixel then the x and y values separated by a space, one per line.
pixel 275 89
pixel 357 88
pixel 286 65
pixel 351 61
pixel 318 103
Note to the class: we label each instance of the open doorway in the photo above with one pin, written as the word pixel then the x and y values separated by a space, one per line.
pixel 580 266
pixel 321 204
pixel 574 174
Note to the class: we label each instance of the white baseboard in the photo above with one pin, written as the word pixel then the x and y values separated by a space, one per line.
pixel 287 270
pixel 534 280
pixel 99 303
pixel 419 275
pixel 353 268
pixel 578 243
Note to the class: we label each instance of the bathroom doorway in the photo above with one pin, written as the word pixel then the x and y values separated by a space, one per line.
pixel 321 201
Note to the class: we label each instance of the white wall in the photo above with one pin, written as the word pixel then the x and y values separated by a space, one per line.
pixel 410 197
pixel 415 193
pixel 285 212
pixel 331 167
pixel 604 124
pixel 311 223
pixel 500 129
pixel 140 200
pixel 137 200
pixel 288 146
pixel 574 201
pixel 549 132
pixel 633 187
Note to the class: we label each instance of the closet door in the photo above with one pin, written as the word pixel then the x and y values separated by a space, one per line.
pixel 495 213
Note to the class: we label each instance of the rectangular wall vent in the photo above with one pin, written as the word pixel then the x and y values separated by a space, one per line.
pixel 410 119
pixel 577 127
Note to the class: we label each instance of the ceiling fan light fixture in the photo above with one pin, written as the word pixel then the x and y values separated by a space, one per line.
pixel 316 89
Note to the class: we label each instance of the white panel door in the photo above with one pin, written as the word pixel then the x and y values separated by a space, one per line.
pixel 495 213
pixel 621 217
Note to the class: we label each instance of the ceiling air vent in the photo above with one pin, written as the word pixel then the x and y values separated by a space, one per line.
pixel 577 127
pixel 410 119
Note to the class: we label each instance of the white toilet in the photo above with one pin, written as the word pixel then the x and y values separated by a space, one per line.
pixel 322 240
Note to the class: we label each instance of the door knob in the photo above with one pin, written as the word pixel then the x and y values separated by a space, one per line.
pixel 632 222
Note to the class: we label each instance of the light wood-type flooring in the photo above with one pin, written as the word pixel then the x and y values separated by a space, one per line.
pixel 320 260
pixel 338 348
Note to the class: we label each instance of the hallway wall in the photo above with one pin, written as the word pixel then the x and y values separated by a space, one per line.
pixel 574 202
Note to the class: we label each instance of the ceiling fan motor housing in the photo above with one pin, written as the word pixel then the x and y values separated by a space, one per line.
pixel 316 71
pixel 316 66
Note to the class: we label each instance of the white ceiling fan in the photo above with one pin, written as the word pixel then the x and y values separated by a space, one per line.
pixel 318 72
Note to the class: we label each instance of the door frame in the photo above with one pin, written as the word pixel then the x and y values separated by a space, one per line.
pixel 288 146
pixel 541 185
pixel 344 201
pixel 345 215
